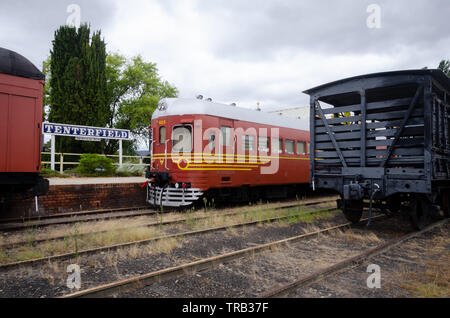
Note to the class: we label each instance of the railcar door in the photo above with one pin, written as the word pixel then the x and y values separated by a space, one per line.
pixel 160 143
pixel 228 147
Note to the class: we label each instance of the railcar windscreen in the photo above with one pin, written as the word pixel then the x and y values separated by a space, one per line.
pixel 162 134
pixel 182 139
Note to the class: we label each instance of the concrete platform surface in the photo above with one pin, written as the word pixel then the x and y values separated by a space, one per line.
pixel 72 181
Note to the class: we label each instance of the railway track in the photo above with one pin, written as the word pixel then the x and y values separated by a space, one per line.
pixel 69 218
pixel 88 216
pixel 137 282
pixel 345 264
pixel 133 283
pixel 69 214
pixel 88 252
pixel 158 223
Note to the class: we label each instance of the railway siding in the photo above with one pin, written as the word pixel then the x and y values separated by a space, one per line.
pixel 50 278
pixel 416 268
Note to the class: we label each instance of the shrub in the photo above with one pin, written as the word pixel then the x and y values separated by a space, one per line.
pixel 49 173
pixel 129 170
pixel 95 165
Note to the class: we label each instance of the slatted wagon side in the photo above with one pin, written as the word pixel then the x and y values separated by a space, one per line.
pixel 383 137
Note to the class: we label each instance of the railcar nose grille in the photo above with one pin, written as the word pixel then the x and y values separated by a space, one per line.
pixel 172 197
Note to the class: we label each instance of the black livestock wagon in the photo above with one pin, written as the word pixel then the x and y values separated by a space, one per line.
pixel 384 137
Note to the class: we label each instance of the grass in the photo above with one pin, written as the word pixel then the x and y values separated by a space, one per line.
pixel 49 173
pixel 74 242
pixel 311 217
pixel 349 235
pixel 431 279
pixel 431 282
pixel 81 237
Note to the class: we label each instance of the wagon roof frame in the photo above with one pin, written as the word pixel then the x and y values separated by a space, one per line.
pixel 436 74
pixel 14 64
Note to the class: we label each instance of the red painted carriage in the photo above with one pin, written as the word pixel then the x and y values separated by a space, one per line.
pixel 205 149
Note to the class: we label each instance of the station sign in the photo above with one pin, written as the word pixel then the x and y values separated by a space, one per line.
pixel 87 139
pixel 85 132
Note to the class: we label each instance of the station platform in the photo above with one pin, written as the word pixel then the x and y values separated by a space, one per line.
pixel 112 180
pixel 76 195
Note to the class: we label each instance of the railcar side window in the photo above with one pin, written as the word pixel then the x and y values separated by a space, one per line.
pixel 248 143
pixel 308 149
pixel 277 144
pixel 226 135
pixel 182 138
pixel 212 141
pixel 263 144
pixel 301 148
pixel 289 146
pixel 162 134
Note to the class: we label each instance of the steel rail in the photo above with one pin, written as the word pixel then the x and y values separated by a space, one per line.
pixel 69 214
pixel 150 224
pixel 60 257
pixel 354 261
pixel 190 268
pixel 70 220
pixel 74 219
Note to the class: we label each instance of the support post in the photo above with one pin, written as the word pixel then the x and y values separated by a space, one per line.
pixel 120 153
pixel 312 143
pixel 330 133
pixel 427 115
pixel 363 127
pixel 61 163
pixel 52 153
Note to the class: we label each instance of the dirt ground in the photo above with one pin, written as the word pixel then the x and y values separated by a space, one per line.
pixel 409 270
pixel 420 267
pixel 49 280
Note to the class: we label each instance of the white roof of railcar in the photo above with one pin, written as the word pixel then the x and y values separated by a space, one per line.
pixel 185 106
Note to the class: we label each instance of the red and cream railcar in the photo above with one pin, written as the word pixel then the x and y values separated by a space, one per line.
pixel 205 149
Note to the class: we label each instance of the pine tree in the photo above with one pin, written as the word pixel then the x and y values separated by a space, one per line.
pixel 78 84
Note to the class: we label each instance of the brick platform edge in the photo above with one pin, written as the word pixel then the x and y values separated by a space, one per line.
pixel 74 198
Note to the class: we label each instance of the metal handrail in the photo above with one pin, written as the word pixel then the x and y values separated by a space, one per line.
pixel 62 162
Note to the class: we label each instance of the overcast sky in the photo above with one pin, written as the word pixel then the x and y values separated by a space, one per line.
pixel 246 51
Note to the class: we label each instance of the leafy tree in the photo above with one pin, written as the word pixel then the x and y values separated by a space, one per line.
pixel 85 86
pixel 444 65
pixel 47 89
pixel 134 89
pixel 77 89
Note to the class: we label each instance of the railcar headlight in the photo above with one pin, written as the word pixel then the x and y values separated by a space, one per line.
pixel 162 105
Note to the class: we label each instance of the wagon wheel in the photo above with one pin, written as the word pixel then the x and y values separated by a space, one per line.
pixel 352 210
pixel 418 212
pixel 394 204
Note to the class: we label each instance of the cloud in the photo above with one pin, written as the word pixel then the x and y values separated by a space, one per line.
pixel 246 51
pixel 258 30
pixel 28 27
